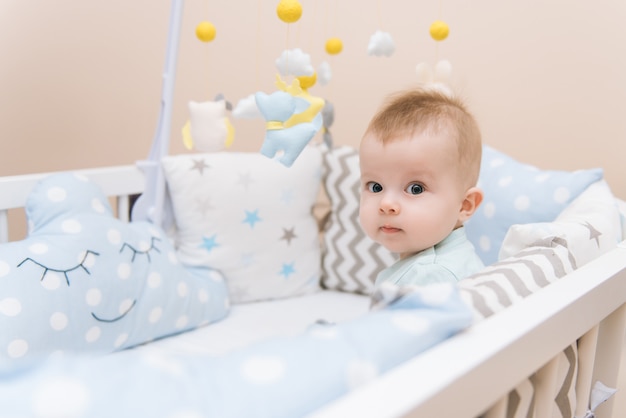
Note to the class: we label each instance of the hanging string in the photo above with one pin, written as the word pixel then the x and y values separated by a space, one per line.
pixel 326 13
pixel 209 69
pixel 297 43
pixel 334 17
pixel 332 24
pixel 439 17
pixel 258 46
pixel 287 50
pixel 312 32
pixel 209 72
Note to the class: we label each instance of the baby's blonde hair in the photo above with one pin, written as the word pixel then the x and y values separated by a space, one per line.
pixel 414 111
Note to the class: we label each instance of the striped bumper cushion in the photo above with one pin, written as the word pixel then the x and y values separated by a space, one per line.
pixel 350 260
pixel 502 284
pixel 521 400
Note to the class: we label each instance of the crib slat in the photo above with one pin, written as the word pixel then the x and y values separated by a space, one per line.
pixel 4 226
pixel 123 204
pixel 608 355
pixel 545 388
pixel 586 359
pixel 498 410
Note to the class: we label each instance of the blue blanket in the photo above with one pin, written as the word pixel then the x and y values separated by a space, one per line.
pixel 280 377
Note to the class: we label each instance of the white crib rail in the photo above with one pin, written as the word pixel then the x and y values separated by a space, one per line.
pixel 119 182
pixel 467 375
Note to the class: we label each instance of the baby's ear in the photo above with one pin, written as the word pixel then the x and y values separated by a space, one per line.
pixel 473 199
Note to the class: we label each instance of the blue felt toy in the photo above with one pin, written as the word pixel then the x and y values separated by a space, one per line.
pixel 293 117
pixel 85 281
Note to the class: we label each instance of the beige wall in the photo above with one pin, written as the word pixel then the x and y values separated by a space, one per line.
pixel 80 80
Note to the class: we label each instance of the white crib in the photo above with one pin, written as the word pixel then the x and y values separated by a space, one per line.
pixel 471 373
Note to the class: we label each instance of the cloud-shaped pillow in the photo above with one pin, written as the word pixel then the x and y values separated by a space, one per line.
pixel 85 281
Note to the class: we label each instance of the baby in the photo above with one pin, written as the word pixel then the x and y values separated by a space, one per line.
pixel 420 160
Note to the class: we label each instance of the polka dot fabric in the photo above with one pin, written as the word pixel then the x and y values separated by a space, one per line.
pixel 280 377
pixel 85 281
pixel 518 193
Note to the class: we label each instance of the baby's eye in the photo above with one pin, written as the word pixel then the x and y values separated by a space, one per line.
pixel 415 188
pixel 374 187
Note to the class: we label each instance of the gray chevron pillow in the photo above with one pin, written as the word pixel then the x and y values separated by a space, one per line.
pixel 504 283
pixel 350 260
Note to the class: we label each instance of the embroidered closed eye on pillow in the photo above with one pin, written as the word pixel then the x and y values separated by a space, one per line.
pixel 85 281
pixel 518 193
pixel 249 217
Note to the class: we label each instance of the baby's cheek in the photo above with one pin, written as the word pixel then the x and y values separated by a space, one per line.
pixel 363 217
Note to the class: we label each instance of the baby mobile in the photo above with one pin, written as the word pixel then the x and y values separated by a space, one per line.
pixel 293 116
pixel 381 43
pixel 333 46
pixel 208 128
pixel 442 72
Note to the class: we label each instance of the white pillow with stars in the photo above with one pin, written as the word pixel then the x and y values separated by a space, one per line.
pixel 519 193
pixel 249 217
pixel 590 225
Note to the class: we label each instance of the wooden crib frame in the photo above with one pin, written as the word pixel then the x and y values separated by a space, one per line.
pixel 471 373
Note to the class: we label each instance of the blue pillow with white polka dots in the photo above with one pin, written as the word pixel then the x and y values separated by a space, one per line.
pixel 289 376
pixel 85 281
pixel 519 193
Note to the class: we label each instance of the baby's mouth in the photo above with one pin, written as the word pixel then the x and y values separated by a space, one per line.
pixel 389 229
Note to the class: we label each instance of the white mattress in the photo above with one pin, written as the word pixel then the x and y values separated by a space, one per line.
pixel 252 322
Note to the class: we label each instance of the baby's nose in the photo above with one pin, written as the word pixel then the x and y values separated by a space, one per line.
pixel 389 205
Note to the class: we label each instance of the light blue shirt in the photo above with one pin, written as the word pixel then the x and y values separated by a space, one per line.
pixel 451 260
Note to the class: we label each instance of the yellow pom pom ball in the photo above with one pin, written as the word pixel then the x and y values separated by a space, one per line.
pixel 307 81
pixel 289 11
pixel 205 31
pixel 439 30
pixel 334 46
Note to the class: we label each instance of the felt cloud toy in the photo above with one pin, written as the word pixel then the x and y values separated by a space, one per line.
pixel 381 43
pixel 295 62
pixel 293 117
pixel 208 128
pixel 246 108
pixel 324 73
pixel 85 281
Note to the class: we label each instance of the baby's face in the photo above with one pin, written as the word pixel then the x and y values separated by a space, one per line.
pixel 411 193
